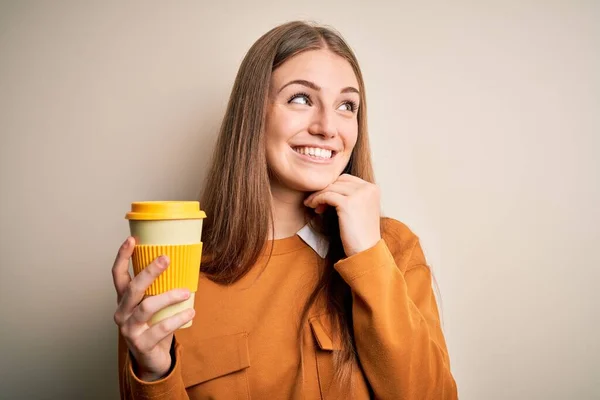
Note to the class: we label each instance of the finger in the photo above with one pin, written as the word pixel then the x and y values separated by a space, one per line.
pixel 167 326
pixel 330 198
pixel 151 305
pixel 120 268
pixel 344 188
pixel 350 178
pixel 138 285
pixel 321 208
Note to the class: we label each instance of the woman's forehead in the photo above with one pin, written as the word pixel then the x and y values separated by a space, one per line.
pixel 322 67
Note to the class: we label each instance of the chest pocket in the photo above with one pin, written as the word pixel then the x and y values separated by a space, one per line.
pixel 324 348
pixel 216 368
pixel 326 345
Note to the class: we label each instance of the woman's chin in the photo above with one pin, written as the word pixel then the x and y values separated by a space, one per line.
pixel 309 182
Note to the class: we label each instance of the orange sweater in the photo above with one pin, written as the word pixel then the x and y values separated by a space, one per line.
pixel 243 342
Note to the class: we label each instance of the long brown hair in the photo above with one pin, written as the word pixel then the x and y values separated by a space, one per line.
pixel 237 190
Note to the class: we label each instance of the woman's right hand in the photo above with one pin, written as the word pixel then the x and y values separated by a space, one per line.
pixel 150 345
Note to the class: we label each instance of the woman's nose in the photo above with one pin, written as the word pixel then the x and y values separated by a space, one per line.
pixel 323 124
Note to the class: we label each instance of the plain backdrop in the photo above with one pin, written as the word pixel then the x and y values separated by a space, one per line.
pixel 485 126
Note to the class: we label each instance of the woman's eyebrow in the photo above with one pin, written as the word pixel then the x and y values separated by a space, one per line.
pixel 350 89
pixel 315 87
pixel 302 82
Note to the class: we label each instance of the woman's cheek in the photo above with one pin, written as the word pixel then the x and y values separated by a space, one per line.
pixel 349 141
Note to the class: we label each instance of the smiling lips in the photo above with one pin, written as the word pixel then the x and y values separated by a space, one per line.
pixel 315 152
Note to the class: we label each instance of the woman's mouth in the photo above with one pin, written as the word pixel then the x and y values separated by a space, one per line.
pixel 315 153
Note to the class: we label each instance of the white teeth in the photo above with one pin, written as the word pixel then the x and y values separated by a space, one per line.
pixel 314 152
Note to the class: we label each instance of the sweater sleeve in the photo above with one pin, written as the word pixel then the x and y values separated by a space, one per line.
pixel 171 387
pixel 397 330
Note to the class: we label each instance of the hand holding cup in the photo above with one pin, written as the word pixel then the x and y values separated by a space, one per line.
pixel 149 344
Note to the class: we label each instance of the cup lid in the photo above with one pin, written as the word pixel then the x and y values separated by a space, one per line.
pixel 160 210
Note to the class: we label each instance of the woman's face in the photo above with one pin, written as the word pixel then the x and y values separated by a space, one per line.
pixel 311 125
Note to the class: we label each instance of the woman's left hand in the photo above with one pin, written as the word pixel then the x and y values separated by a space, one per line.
pixel 357 204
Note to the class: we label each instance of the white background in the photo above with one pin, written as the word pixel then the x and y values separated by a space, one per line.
pixel 485 127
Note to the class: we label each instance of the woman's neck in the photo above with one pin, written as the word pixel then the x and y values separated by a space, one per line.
pixel 288 211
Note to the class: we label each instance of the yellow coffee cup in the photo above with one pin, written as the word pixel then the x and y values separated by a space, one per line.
pixel 174 229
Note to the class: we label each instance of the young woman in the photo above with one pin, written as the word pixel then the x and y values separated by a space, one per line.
pixel 305 291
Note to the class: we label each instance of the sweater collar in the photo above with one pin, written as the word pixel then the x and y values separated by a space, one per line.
pixel 316 241
pixel 306 236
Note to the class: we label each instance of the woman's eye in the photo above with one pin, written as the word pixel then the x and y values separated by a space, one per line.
pixel 348 106
pixel 300 99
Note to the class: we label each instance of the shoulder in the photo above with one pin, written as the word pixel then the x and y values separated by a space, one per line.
pixel 402 242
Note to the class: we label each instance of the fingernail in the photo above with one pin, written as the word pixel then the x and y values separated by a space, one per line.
pixel 126 243
pixel 164 261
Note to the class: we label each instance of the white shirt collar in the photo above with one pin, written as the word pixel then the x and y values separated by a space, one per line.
pixel 316 241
